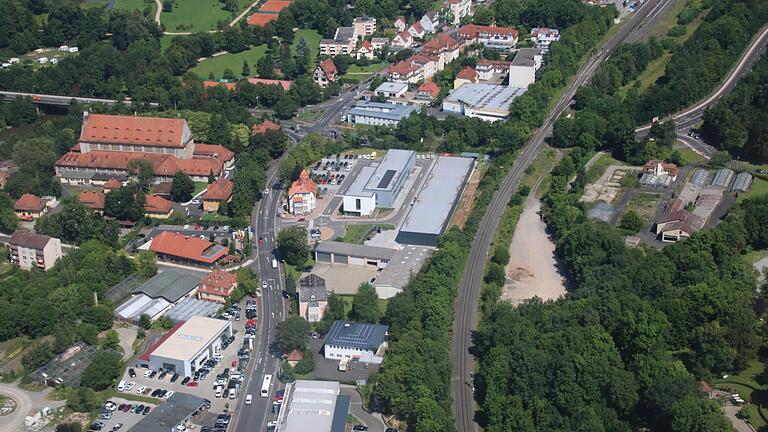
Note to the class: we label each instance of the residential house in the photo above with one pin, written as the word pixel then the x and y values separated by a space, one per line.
pixel 488 69
pixel 459 9
pixel 365 50
pixel 444 46
pixel 325 73
pixel 428 63
pixel 400 23
pixel 402 40
pixel 522 69
pixel 264 127
pixel 29 207
pixel 94 200
pixel 216 152
pixel 466 76
pixel 428 91
pixel 343 42
pixel 542 37
pixel 157 207
pixel 302 195
pixel 112 184
pixel 391 90
pixel 28 250
pixel 365 25
pixel 430 22
pixel 218 192
pixel 502 39
pixel 179 248
pixel 379 43
pixel 313 298
pixel 217 286
pixel 363 342
pixel 660 168
pixel 417 30
pixel 404 71
pixel 293 358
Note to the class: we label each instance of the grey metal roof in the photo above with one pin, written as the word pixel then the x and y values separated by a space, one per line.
pixel 385 111
pixel 169 284
pixel 700 177
pixel 392 166
pixel 344 34
pixel 347 334
pixel 357 188
pixel 436 199
pixel 165 417
pixel 141 304
pixel 355 250
pixel 72 174
pixel 312 285
pixel 310 406
pixel 340 413
pixel 391 87
pixel 190 307
pixel 487 96
pixel 742 183
pixel 526 57
pixel 722 177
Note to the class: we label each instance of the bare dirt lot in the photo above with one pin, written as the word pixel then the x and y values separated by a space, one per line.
pixel 467 200
pixel 607 188
pixel 533 269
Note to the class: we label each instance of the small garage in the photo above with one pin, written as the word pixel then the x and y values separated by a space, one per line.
pixel 323 257
pixel 353 254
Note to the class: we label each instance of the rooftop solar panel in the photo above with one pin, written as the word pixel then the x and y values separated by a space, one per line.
pixel 384 183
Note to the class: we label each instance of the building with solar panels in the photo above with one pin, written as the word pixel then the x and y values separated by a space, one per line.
pixel 364 342
pixel 379 186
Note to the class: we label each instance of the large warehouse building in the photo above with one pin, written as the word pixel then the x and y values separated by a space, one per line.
pixel 316 406
pixel 380 186
pixel 436 201
pixel 187 346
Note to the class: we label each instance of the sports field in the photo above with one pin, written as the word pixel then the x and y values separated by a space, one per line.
pixel 197 15
pixel 218 64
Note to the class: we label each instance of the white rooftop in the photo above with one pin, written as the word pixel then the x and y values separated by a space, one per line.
pixel 191 337
pixel 485 96
pixel 311 406
pixel 391 87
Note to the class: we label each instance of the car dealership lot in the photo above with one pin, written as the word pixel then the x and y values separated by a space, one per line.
pixel 126 419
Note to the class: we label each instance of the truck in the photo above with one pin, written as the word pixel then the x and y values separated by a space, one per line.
pixel 274 263
pixel 343 364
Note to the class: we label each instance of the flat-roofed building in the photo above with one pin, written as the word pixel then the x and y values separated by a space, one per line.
pixel 391 90
pixel 365 25
pixel 522 70
pixel 489 102
pixel 186 347
pixel 436 201
pixel 333 252
pixel 379 114
pixel 357 201
pixel 379 187
pixel 157 295
pixel 316 406
pixel 174 411
pixel 363 342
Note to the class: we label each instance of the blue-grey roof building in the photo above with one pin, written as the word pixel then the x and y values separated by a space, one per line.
pixel 742 183
pixel 489 102
pixel 157 295
pixel 378 113
pixel 379 187
pixel 176 410
pixel 316 406
pixel 364 342
pixel 723 178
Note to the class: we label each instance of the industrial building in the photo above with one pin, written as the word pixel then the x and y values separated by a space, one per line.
pixel 435 202
pixel 379 187
pixel 379 114
pixel 522 70
pixel 489 102
pixel 333 252
pixel 316 406
pixel 187 346
pixel 364 342
pixel 155 296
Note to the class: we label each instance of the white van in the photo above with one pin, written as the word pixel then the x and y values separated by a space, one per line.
pixel 248 399
pixel 232 393
pixel 121 386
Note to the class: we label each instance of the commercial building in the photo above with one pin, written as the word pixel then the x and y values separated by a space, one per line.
pixel 313 298
pixel 522 70
pixel 316 406
pixel 489 102
pixel 28 250
pixel 187 346
pixel 333 252
pixel 379 187
pixel 436 201
pixel 217 286
pixel 502 39
pixel 302 195
pixel 157 295
pixel 176 410
pixel 183 249
pixel 379 114
pixel 742 183
pixel 391 90
pixel 29 207
pixel 217 193
pixel 364 342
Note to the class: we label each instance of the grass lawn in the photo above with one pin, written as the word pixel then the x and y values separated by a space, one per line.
pixel 165 42
pixel 130 5
pixel 689 155
pixel 370 69
pixel 759 187
pixel 359 233
pixel 746 386
pixel 217 65
pixel 309 115
pixel 538 168
pixel 313 40
pixel 348 303
pixel 198 15
pixel 199 186
pixel 755 256
pixel 601 164
pixel 644 204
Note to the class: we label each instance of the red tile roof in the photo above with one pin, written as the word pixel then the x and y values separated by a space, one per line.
pixel 190 248
pixel 405 36
pixel 213 150
pixel 441 44
pixel 150 131
pixel 155 204
pixel 302 185
pixel 468 74
pixel 218 282
pixel 403 68
pixel 29 203
pixel 166 165
pixel 263 127
pixel 472 31
pixel 367 45
pixel 228 85
pixel 670 168
pixel 27 239
pixel 329 68
pixel 294 356
pixel 431 88
pixel 113 184
pixel 220 190
pixel 92 199
pixel 417 27
pixel 285 84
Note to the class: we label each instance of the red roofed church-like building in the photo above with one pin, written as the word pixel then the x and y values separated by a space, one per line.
pixel 108 143
pixel 217 286
pixel 183 249
pixel 302 197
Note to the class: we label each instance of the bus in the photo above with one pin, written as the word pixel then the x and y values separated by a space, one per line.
pixel 265 385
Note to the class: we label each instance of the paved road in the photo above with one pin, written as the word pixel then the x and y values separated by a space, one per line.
pixel 26 403
pixel 469 291
pixel 374 423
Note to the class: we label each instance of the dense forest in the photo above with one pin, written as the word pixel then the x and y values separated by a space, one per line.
pixel 739 121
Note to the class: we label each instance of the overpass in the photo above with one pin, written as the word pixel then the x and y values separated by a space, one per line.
pixel 46 99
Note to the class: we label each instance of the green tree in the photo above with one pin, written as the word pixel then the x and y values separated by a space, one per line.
pixel 145 322
pixel 142 172
pixel 104 369
pixel 37 355
pixel 291 334
pixel 246 69
pixel 8 219
pixel 285 108
pixel 182 187
pixel 365 307
pixel 265 65
pixel 83 400
pixel 126 203
pixel 100 316
pixel 69 427
pixel 303 57
pixel 146 263
pixel 62 339
pixel 335 310
pixel 306 364
pixel 111 341
pixel 88 333
pixel 495 274
pixel 292 245
pixel 631 221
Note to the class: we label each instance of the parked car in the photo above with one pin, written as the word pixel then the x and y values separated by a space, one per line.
pixel 185 380
pixel 145 411
pixel 174 377
pixel 131 373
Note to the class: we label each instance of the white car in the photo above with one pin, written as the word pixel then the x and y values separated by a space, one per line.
pixel 264 284
pixel 196 202
pixel 186 227
pixel 130 386
pixel 266 191
pixel 169 394
pixel 226 315
pixel 248 399
pixel 110 405
pixel 141 389
pixel 147 373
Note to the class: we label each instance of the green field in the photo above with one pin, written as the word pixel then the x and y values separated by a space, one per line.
pixel 759 187
pixel 313 40
pixel 198 15
pixel 359 233
pixel 130 5
pixel 689 155
pixel 348 298
pixel 217 65
pixel 745 384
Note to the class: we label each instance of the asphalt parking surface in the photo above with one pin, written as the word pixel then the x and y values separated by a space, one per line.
pixel 127 419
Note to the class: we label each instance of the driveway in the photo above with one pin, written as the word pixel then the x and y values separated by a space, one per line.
pixel 127 337
pixel 373 421
pixel 26 403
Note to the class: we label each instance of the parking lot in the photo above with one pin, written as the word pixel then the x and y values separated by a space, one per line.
pixel 126 418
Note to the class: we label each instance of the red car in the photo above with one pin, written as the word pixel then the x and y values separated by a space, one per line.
pixel 192 384
pixel 261 240
pixel 234 363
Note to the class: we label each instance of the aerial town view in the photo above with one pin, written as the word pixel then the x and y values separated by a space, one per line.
pixel 383 215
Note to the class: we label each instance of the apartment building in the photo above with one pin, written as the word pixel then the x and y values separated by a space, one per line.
pixel 28 250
